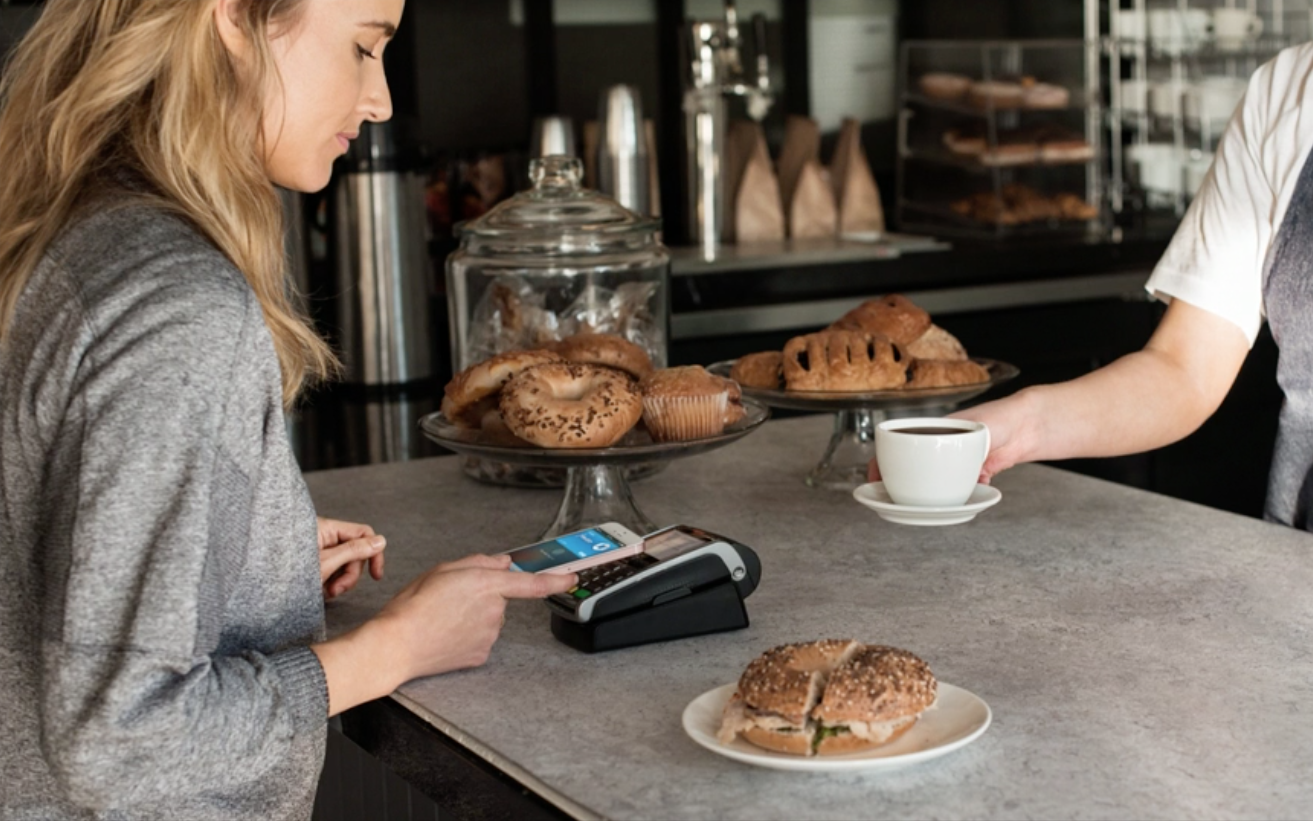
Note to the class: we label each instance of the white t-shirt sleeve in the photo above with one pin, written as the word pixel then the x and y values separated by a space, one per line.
pixel 1216 259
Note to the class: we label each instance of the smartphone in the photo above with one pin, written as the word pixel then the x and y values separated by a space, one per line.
pixel 575 551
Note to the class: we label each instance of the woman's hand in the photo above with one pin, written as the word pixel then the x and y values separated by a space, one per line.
pixel 344 550
pixel 449 618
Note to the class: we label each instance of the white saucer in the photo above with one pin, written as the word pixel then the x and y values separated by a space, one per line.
pixel 875 497
pixel 958 718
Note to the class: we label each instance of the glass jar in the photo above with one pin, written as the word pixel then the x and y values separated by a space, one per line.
pixel 550 262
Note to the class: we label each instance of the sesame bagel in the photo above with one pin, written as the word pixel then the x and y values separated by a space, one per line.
pixel 828 697
pixel 564 405
pixel 473 391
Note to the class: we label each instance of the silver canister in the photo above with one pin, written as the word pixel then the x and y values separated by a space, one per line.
pixel 553 136
pixel 383 272
pixel 622 152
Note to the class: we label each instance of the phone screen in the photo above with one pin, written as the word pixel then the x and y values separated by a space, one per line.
pixel 562 550
pixel 674 542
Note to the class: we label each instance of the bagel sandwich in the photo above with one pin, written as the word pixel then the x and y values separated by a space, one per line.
pixel 828 697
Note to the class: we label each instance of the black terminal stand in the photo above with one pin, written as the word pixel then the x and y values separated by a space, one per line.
pixel 706 601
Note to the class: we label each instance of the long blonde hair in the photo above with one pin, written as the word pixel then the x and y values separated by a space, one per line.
pixel 148 86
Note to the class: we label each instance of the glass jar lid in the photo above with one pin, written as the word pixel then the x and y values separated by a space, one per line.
pixel 559 212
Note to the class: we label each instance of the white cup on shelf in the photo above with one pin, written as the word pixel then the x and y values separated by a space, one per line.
pixel 1236 29
pixel 1129 26
pixel 1133 97
pixel 1210 102
pixel 1179 31
pixel 1166 98
pixel 1159 169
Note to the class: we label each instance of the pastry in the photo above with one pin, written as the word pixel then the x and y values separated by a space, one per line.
pixel 938 373
pixel 996 94
pixel 893 316
pixel 842 360
pixel 936 343
pixel 606 350
pixel 759 370
pixel 942 85
pixel 966 141
pixel 1073 207
pixel 1045 95
pixel 473 391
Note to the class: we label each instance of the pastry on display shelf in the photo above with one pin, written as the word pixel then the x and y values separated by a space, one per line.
pixel 584 392
pixel 885 343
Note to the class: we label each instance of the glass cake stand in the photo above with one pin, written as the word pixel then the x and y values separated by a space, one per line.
pixel 852 447
pixel 596 487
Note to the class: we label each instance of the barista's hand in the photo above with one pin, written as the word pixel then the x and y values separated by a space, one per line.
pixel 344 549
pixel 449 618
pixel 1010 434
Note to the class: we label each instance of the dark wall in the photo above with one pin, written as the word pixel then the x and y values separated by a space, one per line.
pixel 14 23
pixel 471 81
pixel 991 19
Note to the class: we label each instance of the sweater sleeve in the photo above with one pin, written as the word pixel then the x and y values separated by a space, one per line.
pixel 142 698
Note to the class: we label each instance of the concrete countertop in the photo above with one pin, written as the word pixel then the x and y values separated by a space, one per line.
pixel 1143 657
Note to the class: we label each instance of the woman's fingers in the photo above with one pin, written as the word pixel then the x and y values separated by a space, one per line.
pixel 333 559
pixel 343 580
pixel 535 585
pixel 478 562
pixel 333 532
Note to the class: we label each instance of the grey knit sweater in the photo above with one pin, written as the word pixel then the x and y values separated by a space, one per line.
pixel 159 579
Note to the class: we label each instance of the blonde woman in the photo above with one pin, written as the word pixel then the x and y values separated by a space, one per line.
pixel 160 560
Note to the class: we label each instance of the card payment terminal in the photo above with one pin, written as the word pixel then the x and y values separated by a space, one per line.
pixel 686 582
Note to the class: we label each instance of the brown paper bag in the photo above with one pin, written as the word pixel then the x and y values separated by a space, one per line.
pixel 802 144
pixel 758 213
pixel 592 141
pixel 855 192
pixel 740 144
pixel 812 212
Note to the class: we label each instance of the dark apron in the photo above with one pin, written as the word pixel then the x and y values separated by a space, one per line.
pixel 1288 299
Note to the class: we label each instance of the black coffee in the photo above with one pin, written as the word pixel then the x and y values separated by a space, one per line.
pixel 931 431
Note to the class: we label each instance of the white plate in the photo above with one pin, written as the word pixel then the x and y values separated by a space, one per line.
pixel 875 497
pixel 958 718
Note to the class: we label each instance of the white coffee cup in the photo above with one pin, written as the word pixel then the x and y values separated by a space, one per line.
pixel 929 468
pixel 1234 29
pixel 1158 167
pixel 1179 31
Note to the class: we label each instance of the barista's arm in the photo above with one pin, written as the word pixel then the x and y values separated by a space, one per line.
pixel 1142 401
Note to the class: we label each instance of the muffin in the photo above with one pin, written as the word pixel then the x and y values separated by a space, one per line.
pixel 686 403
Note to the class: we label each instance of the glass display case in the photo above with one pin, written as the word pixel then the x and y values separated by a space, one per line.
pixel 1000 138
pixel 1177 70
